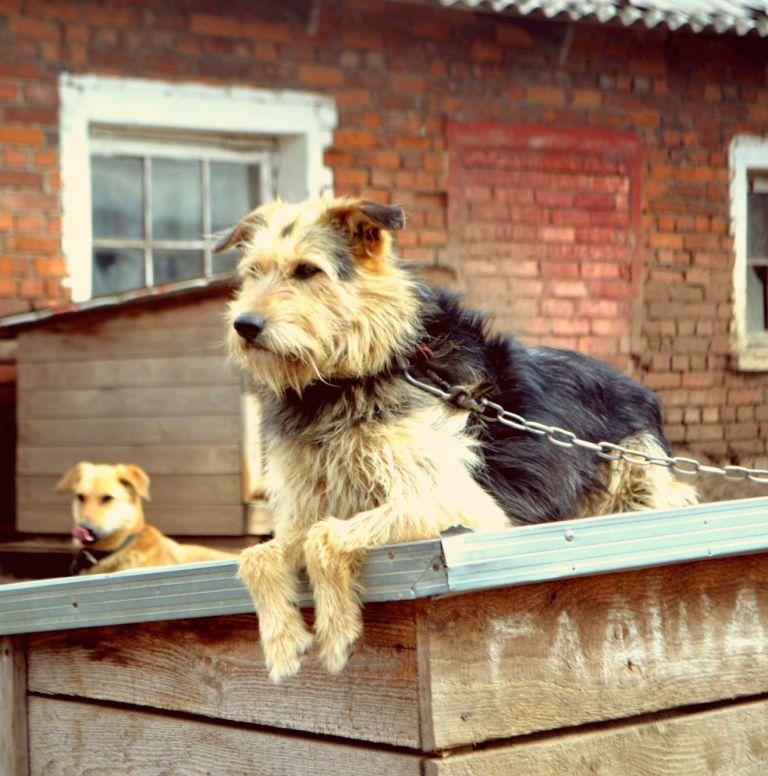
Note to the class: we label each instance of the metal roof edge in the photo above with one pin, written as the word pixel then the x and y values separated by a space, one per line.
pixel 611 543
pixel 458 562
pixel 11 324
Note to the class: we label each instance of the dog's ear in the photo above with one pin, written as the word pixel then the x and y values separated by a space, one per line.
pixel 70 478
pixel 365 225
pixel 241 232
pixel 134 478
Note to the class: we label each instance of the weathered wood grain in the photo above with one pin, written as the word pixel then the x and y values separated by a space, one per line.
pixel 728 741
pixel 130 402
pixel 558 654
pixel 69 738
pixel 13 708
pixel 119 341
pixel 127 373
pixel 156 459
pixel 178 520
pixel 166 489
pixel 214 667
pixel 129 431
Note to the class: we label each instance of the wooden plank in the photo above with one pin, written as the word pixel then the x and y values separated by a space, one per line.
pixel 165 489
pixel 126 373
pixel 157 459
pixel 159 314
pixel 214 667
pixel 13 708
pixel 259 519
pixel 68 737
pixel 177 520
pixel 558 654
pixel 130 402
pixel 94 432
pixel 121 342
pixel 732 740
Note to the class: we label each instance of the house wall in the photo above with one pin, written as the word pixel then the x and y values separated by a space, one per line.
pixel 152 388
pixel 398 74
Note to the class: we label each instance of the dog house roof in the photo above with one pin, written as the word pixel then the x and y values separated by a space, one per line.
pixel 199 287
pixel 718 16
pixel 459 561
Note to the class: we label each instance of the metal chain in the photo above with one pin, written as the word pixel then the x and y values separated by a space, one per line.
pixel 460 396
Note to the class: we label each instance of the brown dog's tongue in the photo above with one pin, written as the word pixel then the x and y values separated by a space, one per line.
pixel 82 533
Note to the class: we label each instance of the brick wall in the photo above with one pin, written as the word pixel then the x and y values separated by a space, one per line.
pixel 398 74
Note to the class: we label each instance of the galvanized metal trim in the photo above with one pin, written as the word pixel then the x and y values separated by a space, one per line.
pixel 597 545
pixel 400 572
pixel 459 562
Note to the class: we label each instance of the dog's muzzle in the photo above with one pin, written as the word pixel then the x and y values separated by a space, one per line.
pixel 249 326
pixel 85 533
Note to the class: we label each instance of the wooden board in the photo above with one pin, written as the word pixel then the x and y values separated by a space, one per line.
pixel 732 740
pixel 13 708
pixel 129 431
pixel 165 489
pixel 126 373
pixel 156 459
pixel 178 520
pixel 118 342
pixel 130 402
pixel 559 654
pixel 68 738
pixel 214 667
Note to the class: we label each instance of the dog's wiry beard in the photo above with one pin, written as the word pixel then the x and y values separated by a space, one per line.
pixel 348 331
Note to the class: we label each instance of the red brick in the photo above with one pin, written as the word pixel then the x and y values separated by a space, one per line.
pixel 25 136
pixel 349 138
pixel 55 267
pixel 546 95
pixel 317 75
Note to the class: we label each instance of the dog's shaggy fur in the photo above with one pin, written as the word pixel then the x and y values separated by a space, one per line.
pixel 325 320
pixel 108 520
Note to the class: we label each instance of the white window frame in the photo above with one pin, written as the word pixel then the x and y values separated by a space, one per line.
pixel 300 123
pixel 747 153
pixel 180 148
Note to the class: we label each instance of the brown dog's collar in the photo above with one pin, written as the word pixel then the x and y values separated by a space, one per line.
pixel 87 559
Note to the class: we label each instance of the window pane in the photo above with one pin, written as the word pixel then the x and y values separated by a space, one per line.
pixel 116 270
pixel 224 262
pixel 234 192
pixel 757 222
pixel 756 288
pixel 177 203
pixel 170 266
pixel 116 188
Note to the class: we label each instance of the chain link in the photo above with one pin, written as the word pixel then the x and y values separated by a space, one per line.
pixel 461 396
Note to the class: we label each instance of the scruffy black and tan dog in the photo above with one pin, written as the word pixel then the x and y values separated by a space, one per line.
pixel 325 320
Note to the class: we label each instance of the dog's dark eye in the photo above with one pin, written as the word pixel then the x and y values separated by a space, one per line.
pixel 305 271
pixel 106 499
pixel 80 497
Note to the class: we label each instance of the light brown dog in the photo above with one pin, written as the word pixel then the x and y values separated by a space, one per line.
pixel 109 525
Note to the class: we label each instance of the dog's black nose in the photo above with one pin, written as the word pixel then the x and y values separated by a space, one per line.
pixel 249 325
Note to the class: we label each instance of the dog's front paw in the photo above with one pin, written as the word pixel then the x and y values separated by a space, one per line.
pixel 334 649
pixel 283 649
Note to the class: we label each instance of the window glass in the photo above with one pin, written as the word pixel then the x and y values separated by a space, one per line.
pixel 116 270
pixel 177 200
pixel 172 265
pixel 116 185
pixel 234 191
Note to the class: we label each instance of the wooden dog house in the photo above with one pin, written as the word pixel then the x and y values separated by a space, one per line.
pixel 141 378
pixel 629 644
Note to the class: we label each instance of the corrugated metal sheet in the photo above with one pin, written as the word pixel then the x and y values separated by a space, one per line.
pixel 459 562
pixel 720 16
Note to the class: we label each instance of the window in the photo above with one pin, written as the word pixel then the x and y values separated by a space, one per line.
pixel 749 224
pixel 757 250
pixel 157 202
pixel 150 170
